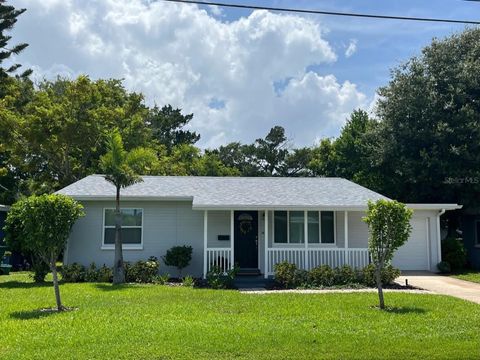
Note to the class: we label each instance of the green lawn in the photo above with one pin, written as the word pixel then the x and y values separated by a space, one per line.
pixel 159 322
pixel 471 275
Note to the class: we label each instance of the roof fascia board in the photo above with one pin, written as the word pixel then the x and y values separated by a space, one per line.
pixel 434 206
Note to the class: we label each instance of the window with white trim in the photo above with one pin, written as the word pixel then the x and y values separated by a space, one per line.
pixel 289 227
pixel 132 222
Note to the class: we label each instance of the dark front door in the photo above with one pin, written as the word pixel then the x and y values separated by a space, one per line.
pixel 246 239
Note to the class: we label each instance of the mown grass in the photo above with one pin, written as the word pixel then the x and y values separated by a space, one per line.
pixel 159 322
pixel 468 275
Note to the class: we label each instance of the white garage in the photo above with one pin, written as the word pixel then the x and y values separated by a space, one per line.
pixel 415 254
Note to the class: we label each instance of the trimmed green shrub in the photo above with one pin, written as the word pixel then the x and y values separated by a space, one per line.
pixel 104 274
pixel 389 274
pixel 142 271
pixel 346 275
pixel 188 281
pixel 288 275
pixel 444 267
pixel 40 271
pixel 101 274
pixel 73 273
pixel 454 253
pixel 91 273
pixel 219 279
pixel 178 256
pixel 162 279
pixel 321 276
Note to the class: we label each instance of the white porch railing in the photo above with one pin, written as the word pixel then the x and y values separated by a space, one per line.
pixel 219 257
pixel 357 258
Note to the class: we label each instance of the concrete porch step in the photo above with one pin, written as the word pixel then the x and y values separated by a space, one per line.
pixel 248 272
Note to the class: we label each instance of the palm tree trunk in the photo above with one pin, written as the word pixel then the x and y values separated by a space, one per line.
pixel 118 269
pixel 53 268
pixel 378 275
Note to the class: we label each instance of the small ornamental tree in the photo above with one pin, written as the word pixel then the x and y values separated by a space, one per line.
pixel 178 256
pixel 43 223
pixel 389 225
pixel 122 169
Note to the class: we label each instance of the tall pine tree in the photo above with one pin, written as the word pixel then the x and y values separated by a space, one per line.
pixel 8 18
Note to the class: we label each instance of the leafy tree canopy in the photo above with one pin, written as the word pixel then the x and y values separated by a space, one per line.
pixel 168 126
pixel 429 134
pixel 389 225
pixel 41 225
pixel 53 134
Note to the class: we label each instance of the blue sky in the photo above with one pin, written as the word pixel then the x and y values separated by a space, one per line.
pixel 240 72
pixel 381 44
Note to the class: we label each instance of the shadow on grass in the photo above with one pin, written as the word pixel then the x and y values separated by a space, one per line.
pixel 403 310
pixel 23 285
pixel 111 287
pixel 32 314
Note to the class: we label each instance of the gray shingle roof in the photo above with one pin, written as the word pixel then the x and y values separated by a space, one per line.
pixel 232 192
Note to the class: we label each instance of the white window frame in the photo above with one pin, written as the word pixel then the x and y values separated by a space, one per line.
pixel 124 246
pixel 305 238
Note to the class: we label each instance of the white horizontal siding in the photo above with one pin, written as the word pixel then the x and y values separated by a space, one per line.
pixel 218 224
pixel 165 224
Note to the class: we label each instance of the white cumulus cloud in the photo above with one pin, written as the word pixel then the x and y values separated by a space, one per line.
pixel 351 48
pixel 239 77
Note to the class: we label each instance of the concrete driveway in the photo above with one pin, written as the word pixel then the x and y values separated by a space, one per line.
pixel 442 285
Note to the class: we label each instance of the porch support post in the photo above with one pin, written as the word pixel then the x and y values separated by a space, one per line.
pixel 265 265
pixel 205 242
pixel 305 231
pixel 232 239
pixel 347 257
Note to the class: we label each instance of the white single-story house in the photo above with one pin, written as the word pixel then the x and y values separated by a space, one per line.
pixel 253 222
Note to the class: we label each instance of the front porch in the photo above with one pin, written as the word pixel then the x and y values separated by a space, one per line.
pixel 257 240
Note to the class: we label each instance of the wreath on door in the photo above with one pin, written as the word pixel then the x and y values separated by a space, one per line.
pixel 245 223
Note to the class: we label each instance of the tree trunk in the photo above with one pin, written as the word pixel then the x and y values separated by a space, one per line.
pixel 118 268
pixel 53 268
pixel 378 275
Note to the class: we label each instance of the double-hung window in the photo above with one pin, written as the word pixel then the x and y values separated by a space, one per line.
pixel 321 227
pixel 132 227
pixel 289 227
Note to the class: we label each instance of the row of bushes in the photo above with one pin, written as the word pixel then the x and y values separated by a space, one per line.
pixel 78 273
pixel 144 272
pixel 140 272
pixel 287 275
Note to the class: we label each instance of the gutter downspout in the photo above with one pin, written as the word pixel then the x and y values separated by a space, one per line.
pixel 439 236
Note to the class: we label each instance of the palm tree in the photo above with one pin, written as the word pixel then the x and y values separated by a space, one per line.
pixel 122 169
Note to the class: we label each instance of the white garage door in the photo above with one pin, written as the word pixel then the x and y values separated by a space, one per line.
pixel 414 254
